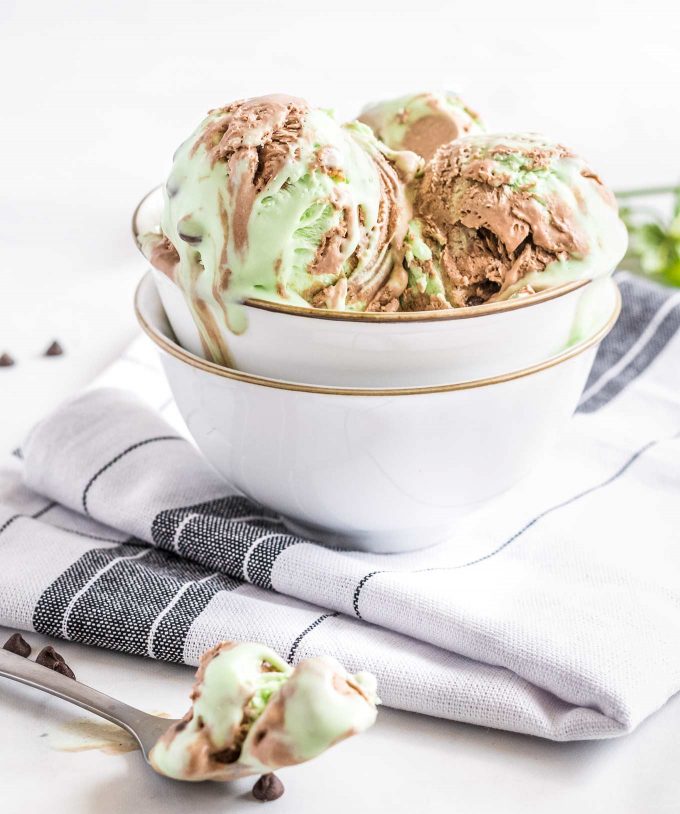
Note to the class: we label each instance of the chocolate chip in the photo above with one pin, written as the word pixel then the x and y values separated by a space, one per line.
pixel 48 657
pixel 55 349
pixel 268 788
pixel 193 240
pixel 63 668
pixel 6 360
pixel 17 644
pixel 475 301
pixel 229 755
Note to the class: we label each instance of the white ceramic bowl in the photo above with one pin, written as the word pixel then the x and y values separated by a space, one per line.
pixel 377 470
pixel 349 349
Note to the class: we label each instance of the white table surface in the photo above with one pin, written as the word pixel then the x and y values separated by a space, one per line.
pixel 95 98
pixel 405 763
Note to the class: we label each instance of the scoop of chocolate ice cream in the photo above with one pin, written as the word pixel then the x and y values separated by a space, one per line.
pixel 497 214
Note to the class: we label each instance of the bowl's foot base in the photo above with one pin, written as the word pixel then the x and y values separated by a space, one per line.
pixel 390 541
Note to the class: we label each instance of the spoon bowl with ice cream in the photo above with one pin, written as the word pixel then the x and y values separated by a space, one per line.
pixel 252 713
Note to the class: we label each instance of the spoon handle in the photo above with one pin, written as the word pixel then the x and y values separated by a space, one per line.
pixel 42 678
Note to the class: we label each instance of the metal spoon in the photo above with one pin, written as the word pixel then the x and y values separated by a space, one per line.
pixel 145 729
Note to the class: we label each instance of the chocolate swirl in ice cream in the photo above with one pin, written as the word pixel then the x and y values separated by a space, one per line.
pixel 163 256
pixel 254 138
pixel 396 171
pixel 422 122
pixel 273 199
pixel 500 213
pixel 252 714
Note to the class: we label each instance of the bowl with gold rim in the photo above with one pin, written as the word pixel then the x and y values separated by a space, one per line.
pixel 378 469
pixel 373 349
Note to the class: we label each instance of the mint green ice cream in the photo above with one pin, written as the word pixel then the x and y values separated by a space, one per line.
pixel 272 199
pixel 253 714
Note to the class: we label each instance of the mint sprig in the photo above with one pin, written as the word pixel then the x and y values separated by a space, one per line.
pixel 654 241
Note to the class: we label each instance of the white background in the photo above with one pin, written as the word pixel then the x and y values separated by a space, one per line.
pixel 94 99
pixel 97 95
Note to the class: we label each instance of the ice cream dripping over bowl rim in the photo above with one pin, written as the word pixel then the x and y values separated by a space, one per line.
pixel 171 346
pixel 151 204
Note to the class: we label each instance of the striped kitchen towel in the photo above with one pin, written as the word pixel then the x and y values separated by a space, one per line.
pixel 555 613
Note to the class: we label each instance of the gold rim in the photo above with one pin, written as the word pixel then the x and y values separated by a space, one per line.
pixel 467 312
pixel 183 355
pixel 133 224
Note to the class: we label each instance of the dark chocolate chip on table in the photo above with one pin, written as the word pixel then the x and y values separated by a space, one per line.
pixel 6 360
pixel 268 788
pixel 48 657
pixel 17 644
pixel 55 349
pixel 63 668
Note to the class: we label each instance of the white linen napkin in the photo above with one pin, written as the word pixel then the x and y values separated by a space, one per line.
pixel 556 612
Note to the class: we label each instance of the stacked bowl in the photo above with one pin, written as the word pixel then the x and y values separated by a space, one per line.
pixel 378 431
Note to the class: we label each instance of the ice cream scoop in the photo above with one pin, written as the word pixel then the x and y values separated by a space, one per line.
pixel 273 199
pixel 421 122
pixel 501 215
pixel 253 714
